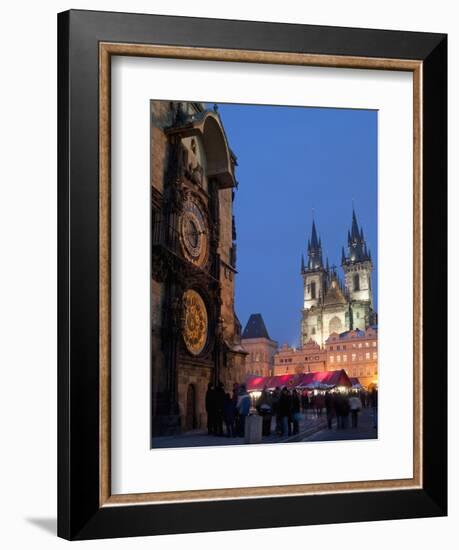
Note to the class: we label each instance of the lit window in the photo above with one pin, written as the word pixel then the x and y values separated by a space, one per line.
pixel 375 355
pixel 354 356
pixel 360 344
pixel 338 358
pixel 374 344
pixel 367 356
pixel 344 358
pixel 367 344
pixel 332 359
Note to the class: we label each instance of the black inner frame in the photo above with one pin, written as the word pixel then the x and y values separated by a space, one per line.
pixel 79 515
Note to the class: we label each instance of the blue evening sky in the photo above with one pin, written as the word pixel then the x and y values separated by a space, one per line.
pixel 293 162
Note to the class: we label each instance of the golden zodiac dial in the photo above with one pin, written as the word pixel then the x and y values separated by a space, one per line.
pixel 196 322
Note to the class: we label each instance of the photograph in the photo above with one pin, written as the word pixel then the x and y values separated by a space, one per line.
pixel 264 263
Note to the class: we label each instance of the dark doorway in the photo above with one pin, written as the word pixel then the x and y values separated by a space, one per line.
pixel 190 419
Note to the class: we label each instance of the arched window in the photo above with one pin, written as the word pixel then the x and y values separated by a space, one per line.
pixel 313 291
pixel 335 325
pixel 356 282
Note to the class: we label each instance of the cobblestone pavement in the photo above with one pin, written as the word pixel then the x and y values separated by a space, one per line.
pixel 200 438
pixel 365 430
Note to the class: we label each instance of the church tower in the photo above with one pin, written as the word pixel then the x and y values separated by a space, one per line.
pixel 315 278
pixel 357 267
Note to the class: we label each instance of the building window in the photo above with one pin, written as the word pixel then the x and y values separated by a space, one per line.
pixel 345 358
pixel 338 358
pixel 313 291
pixel 360 344
pixel 331 348
pixel 338 348
pixel 356 282
pixel 344 347
pixel 374 344
pixel 332 359
pixel 367 344
pixel 313 330
pixel 354 356
pixel 367 356
pixel 375 355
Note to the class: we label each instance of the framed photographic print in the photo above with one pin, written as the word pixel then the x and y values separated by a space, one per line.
pixel 252 275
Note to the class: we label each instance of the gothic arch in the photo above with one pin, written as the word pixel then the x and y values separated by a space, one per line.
pixel 335 325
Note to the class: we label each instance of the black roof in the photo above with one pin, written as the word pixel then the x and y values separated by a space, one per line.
pixel 255 327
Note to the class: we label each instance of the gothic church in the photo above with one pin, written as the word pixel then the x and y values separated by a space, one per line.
pixel 332 305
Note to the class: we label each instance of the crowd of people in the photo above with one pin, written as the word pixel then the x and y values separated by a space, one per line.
pixel 227 409
pixel 227 412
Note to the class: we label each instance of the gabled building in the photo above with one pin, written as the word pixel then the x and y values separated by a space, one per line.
pixel 258 345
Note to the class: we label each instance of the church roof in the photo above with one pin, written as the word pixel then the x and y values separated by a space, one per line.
pixel 334 295
pixel 255 328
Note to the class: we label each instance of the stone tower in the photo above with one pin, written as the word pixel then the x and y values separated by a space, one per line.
pixel 315 279
pixel 314 273
pixel 357 267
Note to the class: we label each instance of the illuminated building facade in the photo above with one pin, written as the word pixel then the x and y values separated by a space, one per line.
pixel 331 305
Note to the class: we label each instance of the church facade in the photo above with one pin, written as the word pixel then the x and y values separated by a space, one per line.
pixel 333 305
pixel 195 333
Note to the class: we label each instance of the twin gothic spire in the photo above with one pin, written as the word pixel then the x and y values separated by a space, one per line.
pixel 356 245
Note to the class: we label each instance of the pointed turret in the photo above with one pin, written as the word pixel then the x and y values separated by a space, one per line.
pixel 357 267
pixel 356 243
pixel 314 250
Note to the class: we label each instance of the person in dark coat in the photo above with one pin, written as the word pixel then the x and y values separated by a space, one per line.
pixel 219 403
pixel 330 408
pixel 211 408
pixel 285 411
pixel 275 407
pixel 305 401
pixel 342 410
pixel 265 410
pixel 296 406
pixel 374 405
pixel 229 415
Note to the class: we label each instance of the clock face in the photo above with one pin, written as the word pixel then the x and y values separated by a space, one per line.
pixel 196 322
pixel 194 232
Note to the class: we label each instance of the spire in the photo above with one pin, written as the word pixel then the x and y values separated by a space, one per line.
pixel 355 233
pixel 357 246
pixel 314 249
pixel 314 241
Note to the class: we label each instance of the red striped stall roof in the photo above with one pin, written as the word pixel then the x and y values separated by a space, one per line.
pixel 305 380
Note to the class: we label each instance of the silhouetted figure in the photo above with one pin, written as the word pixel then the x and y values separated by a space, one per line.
pixel 243 409
pixel 330 408
pixel 219 402
pixel 211 409
pixel 296 406
pixel 229 415
pixel 285 411
pixel 355 406
pixel 264 408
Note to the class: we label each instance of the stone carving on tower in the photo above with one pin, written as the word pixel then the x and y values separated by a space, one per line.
pixel 196 336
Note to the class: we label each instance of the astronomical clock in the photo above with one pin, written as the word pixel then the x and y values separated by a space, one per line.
pixel 195 332
pixel 194 231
